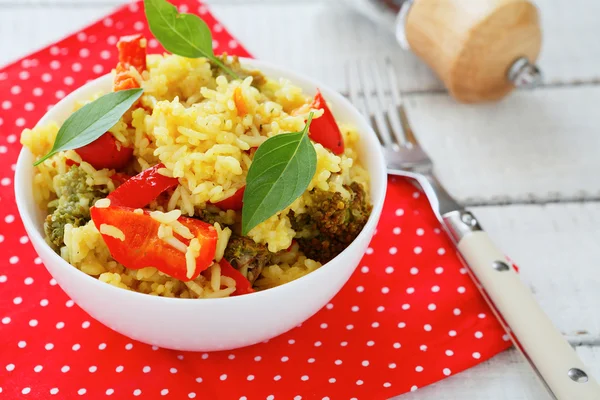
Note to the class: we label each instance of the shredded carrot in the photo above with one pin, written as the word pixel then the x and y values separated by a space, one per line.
pixel 238 99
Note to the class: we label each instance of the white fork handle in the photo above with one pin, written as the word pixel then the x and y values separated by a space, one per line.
pixel 550 355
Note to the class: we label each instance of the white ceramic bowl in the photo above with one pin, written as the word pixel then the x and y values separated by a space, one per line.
pixel 207 324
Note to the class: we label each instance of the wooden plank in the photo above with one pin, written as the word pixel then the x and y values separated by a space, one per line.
pixel 556 247
pixel 321 35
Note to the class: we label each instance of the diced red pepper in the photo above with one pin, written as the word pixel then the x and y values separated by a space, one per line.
pixel 132 53
pixel 234 202
pixel 140 190
pixel 325 130
pixel 242 285
pixel 105 152
pixel 143 248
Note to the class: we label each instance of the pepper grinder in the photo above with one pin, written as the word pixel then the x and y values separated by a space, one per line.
pixel 480 49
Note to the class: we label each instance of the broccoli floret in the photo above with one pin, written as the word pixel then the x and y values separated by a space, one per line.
pixel 331 222
pixel 212 214
pixel 247 256
pixel 76 196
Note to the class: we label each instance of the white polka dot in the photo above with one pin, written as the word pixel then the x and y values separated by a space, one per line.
pixel 60 94
pixel 506 337
pixel 33 322
pixel 304 377
pixel 119 368
pixel 359 382
pixel 192 395
pixel 284 359
pixel 257 358
pixel 369 250
pixel 423 347
pixel 452 333
pixel 463 271
pixel 396 231
pixel 109 391
pixel 153 43
pixel 105 54
pixel 102 346
pixel 23 239
pixel 392 365
pixel 60 325
pixel 380 309
pixel 364 269
pixel 456 311
pixel 6 320
pixel 38 368
pixel 223 377
pixel 338 362
pixel 4 149
pixel 317 343
pixel 43 302
pixel 292 341
pixel 393 250
pixel 375 325
pixel 81 391
pixel 370 343
pixel 431 307
pixel 85 325
pixel 441 251
pixel 24 75
pixel 329 306
pixel 447 371
pixel 387 384
pixel 146 369
pixel 6 105
pixel 204 355
pixel 427 327
pixel 53 391
pixel 310 360
pixel 414 270
pixel 3 278
pixel 360 289
pixel 76 67
pixel 68 80
pixel 17 300
pixel 55 64
pixel 138 26
pixel 420 232
pixel 405 306
pixel 128 346
pixel 416 195
pixel 439 270
pixel 385 290
pixel 401 325
pixel 476 355
pixel 410 290
pixel 81 36
pixel 65 369
pixel 397 345
pixel 349 327
pixel 97 69
pixel 15 89
pixel 461 289
pixel 76 347
pixel 331 380
pixel 389 270
pixel 69 304
pixel 417 250
pixel 449 353
pixel 93 369
pixel 13 260
pixel 419 368
pixel 10 367
pixel 173 370
pixel 399 212
pixel 365 363
pixel 478 335
pixel 232 44
pixel 481 315
pixel 137 392
pixel 37 92
pixel 26 390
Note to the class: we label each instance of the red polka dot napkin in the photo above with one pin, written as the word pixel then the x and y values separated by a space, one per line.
pixel 408 317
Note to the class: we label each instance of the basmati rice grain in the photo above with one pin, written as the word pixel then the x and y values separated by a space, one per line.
pixel 112 231
pixel 102 203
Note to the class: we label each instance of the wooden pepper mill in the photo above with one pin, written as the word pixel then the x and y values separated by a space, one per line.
pixel 480 49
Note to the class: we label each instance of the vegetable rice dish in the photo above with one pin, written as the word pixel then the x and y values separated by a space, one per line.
pixel 212 180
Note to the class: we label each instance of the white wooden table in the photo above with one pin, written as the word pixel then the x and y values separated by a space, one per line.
pixel 529 165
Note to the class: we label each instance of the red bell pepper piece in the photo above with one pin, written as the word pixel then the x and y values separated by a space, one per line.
pixel 132 53
pixel 143 248
pixel 325 130
pixel 242 285
pixel 140 190
pixel 120 178
pixel 105 152
pixel 234 202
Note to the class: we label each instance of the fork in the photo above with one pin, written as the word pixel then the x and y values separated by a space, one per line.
pixel 549 354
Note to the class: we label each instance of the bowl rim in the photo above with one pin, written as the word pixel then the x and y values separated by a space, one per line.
pixel 333 96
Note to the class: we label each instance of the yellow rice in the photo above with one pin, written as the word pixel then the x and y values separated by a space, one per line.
pixel 193 128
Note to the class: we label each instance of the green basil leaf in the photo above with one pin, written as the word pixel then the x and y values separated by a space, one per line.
pixel 183 34
pixel 282 169
pixel 92 121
